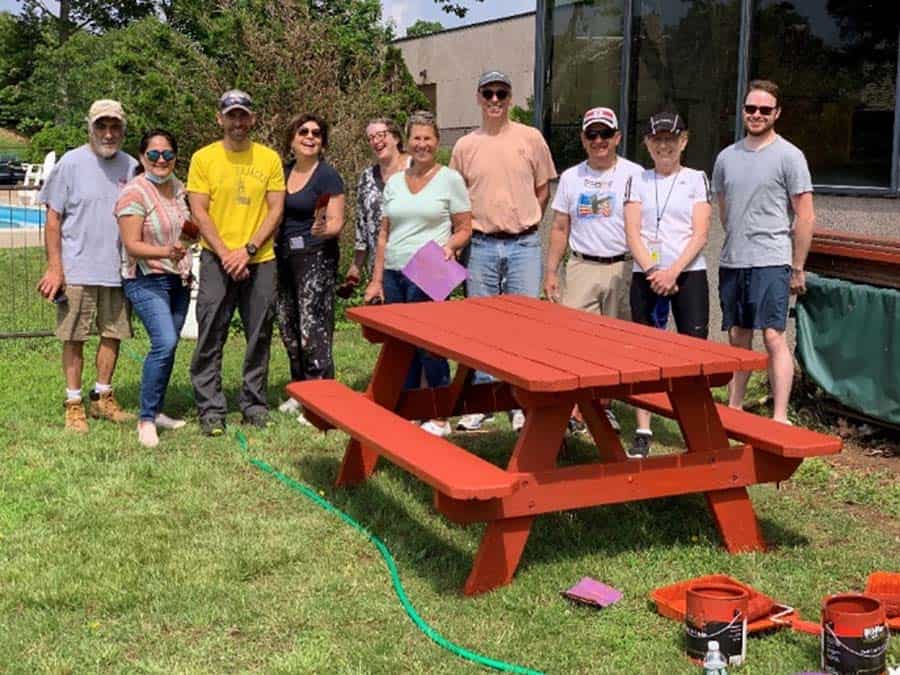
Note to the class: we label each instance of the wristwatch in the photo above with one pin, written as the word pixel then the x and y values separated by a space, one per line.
pixel 251 249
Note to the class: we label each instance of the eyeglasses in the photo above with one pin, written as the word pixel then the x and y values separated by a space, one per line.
pixel 154 155
pixel 306 131
pixel 490 94
pixel 604 132
pixel 765 110
pixel 377 136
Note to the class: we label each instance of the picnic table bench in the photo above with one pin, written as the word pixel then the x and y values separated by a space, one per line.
pixel 546 358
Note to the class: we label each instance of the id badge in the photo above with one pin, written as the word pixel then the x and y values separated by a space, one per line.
pixel 654 246
pixel 296 243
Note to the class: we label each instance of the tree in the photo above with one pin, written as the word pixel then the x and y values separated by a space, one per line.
pixel 71 16
pixel 421 27
pixel 453 7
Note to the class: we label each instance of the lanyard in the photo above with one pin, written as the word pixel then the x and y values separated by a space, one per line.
pixel 660 214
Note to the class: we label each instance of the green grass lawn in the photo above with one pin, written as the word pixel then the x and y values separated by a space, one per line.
pixel 188 559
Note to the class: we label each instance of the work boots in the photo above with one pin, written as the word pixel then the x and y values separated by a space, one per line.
pixel 106 407
pixel 75 417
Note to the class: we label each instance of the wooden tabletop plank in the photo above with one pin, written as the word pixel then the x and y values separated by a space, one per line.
pixel 748 360
pixel 502 364
pixel 531 340
pixel 570 332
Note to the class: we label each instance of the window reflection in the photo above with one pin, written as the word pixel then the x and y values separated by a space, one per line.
pixel 836 63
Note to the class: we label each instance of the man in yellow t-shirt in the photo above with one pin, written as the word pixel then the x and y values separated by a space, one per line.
pixel 236 192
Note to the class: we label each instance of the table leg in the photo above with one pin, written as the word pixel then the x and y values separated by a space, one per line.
pixel 605 438
pixel 385 389
pixel 504 540
pixel 702 429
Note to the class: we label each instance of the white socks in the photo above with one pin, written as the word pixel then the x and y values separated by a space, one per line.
pixel 73 394
pixel 102 388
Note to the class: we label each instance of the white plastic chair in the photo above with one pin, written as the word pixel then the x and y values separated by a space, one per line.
pixel 32 174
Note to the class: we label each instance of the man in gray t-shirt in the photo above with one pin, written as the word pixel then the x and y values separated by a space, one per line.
pixel 83 258
pixel 764 192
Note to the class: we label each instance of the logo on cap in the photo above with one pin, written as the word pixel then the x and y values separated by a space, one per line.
pixel 603 116
pixel 235 99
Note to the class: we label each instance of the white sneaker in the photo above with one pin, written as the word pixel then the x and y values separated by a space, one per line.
pixel 436 428
pixel 292 405
pixel 301 418
pixel 147 434
pixel 473 421
pixel 613 422
pixel 518 420
pixel 163 421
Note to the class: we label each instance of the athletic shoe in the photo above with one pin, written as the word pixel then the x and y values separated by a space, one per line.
pixel 147 435
pixel 163 421
pixel 106 406
pixel 517 419
pixel 613 422
pixel 75 418
pixel 473 422
pixel 212 426
pixel 301 419
pixel 292 405
pixel 640 447
pixel 260 420
pixel 436 428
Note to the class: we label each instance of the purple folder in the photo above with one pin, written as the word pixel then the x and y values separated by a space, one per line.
pixel 428 270
pixel 591 592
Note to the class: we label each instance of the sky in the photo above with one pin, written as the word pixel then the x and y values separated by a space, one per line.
pixel 406 12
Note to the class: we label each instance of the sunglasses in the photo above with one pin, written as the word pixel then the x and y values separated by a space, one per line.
pixel 605 133
pixel 154 155
pixel 490 94
pixel 306 131
pixel 765 110
pixel 377 136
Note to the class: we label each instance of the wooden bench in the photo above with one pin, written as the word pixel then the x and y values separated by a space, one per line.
pixel 760 432
pixel 449 469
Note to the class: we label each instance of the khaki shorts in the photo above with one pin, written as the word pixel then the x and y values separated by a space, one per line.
pixel 599 288
pixel 86 306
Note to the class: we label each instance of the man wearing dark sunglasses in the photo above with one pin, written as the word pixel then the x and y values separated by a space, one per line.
pixel 588 217
pixel 83 259
pixel 507 167
pixel 236 191
pixel 764 191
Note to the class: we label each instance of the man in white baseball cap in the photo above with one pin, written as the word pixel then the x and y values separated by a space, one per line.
pixel 83 259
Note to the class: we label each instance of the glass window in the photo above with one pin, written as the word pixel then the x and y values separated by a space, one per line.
pixel 836 64
pixel 684 58
pixel 585 59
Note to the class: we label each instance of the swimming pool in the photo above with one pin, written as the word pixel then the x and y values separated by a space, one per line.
pixel 18 217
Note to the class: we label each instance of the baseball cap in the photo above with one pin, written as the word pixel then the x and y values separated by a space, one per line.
pixel 604 116
pixel 494 76
pixel 235 99
pixel 105 107
pixel 669 122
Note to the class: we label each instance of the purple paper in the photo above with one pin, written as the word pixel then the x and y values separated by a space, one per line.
pixel 428 270
pixel 592 592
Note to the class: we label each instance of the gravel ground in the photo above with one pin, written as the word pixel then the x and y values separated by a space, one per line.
pixel 877 216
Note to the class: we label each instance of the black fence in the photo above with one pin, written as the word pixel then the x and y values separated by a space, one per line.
pixel 23 312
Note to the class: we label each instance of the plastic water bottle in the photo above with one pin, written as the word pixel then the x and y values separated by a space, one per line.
pixel 714 662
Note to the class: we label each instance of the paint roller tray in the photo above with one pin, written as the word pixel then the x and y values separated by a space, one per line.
pixel 671 602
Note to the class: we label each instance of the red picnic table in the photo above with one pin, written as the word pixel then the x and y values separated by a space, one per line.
pixel 546 358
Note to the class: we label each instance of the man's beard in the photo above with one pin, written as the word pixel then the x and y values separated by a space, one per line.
pixel 103 150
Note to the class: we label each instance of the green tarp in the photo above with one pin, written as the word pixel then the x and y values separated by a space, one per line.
pixel 848 342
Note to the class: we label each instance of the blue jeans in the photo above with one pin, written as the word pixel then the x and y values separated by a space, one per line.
pixel 161 301
pixel 504 266
pixel 397 288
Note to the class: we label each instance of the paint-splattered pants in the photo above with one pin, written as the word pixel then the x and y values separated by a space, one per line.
pixel 306 283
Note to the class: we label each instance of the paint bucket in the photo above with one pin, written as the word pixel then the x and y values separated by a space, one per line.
pixel 716 612
pixel 854 635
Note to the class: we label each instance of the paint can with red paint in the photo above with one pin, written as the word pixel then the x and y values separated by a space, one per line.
pixel 716 612
pixel 854 635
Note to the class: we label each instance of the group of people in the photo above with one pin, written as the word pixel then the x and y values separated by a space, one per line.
pixel 269 231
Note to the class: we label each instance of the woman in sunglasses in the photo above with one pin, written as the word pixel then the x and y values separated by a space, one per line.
pixel 426 202
pixel 156 269
pixel 667 213
pixel 307 253
pixel 386 144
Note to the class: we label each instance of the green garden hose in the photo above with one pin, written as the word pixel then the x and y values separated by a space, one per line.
pixel 420 623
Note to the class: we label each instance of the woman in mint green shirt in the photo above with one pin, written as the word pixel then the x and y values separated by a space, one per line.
pixel 427 202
